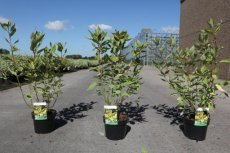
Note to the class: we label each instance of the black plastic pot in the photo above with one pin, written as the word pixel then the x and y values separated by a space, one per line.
pixel 45 126
pixel 194 132
pixel 116 132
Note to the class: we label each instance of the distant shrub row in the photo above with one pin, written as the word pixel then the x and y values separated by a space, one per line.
pixel 68 65
pixel 78 56
pixel 71 65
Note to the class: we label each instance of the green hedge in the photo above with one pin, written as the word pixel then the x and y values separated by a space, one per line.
pixel 3 67
pixel 5 64
pixel 68 65
pixel 75 64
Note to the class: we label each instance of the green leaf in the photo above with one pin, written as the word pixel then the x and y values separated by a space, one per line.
pixel 60 46
pixel 216 70
pixel 41 50
pixel 31 65
pixel 118 76
pixel 7 40
pixel 13 72
pixel 186 77
pixel 173 42
pixel 20 69
pixel 225 61
pixel 111 86
pixel 156 41
pixel 16 41
pixel 206 80
pixel 92 86
pixel 114 58
pixel 128 83
pixel 220 88
pixel 29 96
pixel 118 92
pixel 203 69
pixel 211 22
pixel 12 30
pixel 14 48
pixel 36 40
pixel 143 150
pixel 125 95
pixel 4 26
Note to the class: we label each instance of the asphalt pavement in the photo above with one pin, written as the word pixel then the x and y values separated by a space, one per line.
pixel 80 128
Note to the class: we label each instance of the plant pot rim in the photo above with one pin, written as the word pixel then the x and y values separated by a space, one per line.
pixel 120 122
pixel 50 112
pixel 188 118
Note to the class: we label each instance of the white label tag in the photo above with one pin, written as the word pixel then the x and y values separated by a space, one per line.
pixel 201 117
pixel 111 115
pixel 40 110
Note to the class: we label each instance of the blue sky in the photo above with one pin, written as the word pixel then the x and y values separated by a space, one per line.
pixel 69 20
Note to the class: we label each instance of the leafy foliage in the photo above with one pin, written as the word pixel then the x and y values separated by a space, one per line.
pixel 41 70
pixel 6 66
pixel 191 72
pixel 3 68
pixel 117 80
pixel 71 65
pixel 65 65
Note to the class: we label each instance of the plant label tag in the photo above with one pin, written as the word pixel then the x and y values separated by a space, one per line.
pixel 110 115
pixel 40 111
pixel 201 117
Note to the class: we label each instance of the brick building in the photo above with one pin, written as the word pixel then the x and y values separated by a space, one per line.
pixel 194 16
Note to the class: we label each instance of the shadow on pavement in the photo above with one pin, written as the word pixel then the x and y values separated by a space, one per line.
pixel 135 112
pixel 172 113
pixel 72 113
pixel 6 84
pixel 128 130
pixel 182 129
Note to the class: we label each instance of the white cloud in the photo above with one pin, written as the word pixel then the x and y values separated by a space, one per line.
pixel 170 29
pixel 102 26
pixel 56 25
pixel 3 20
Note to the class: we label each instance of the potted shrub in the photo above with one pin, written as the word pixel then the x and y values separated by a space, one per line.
pixel 191 73
pixel 117 80
pixel 42 72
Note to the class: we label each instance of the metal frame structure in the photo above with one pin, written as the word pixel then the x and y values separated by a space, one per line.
pixel 147 35
pixel 163 37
